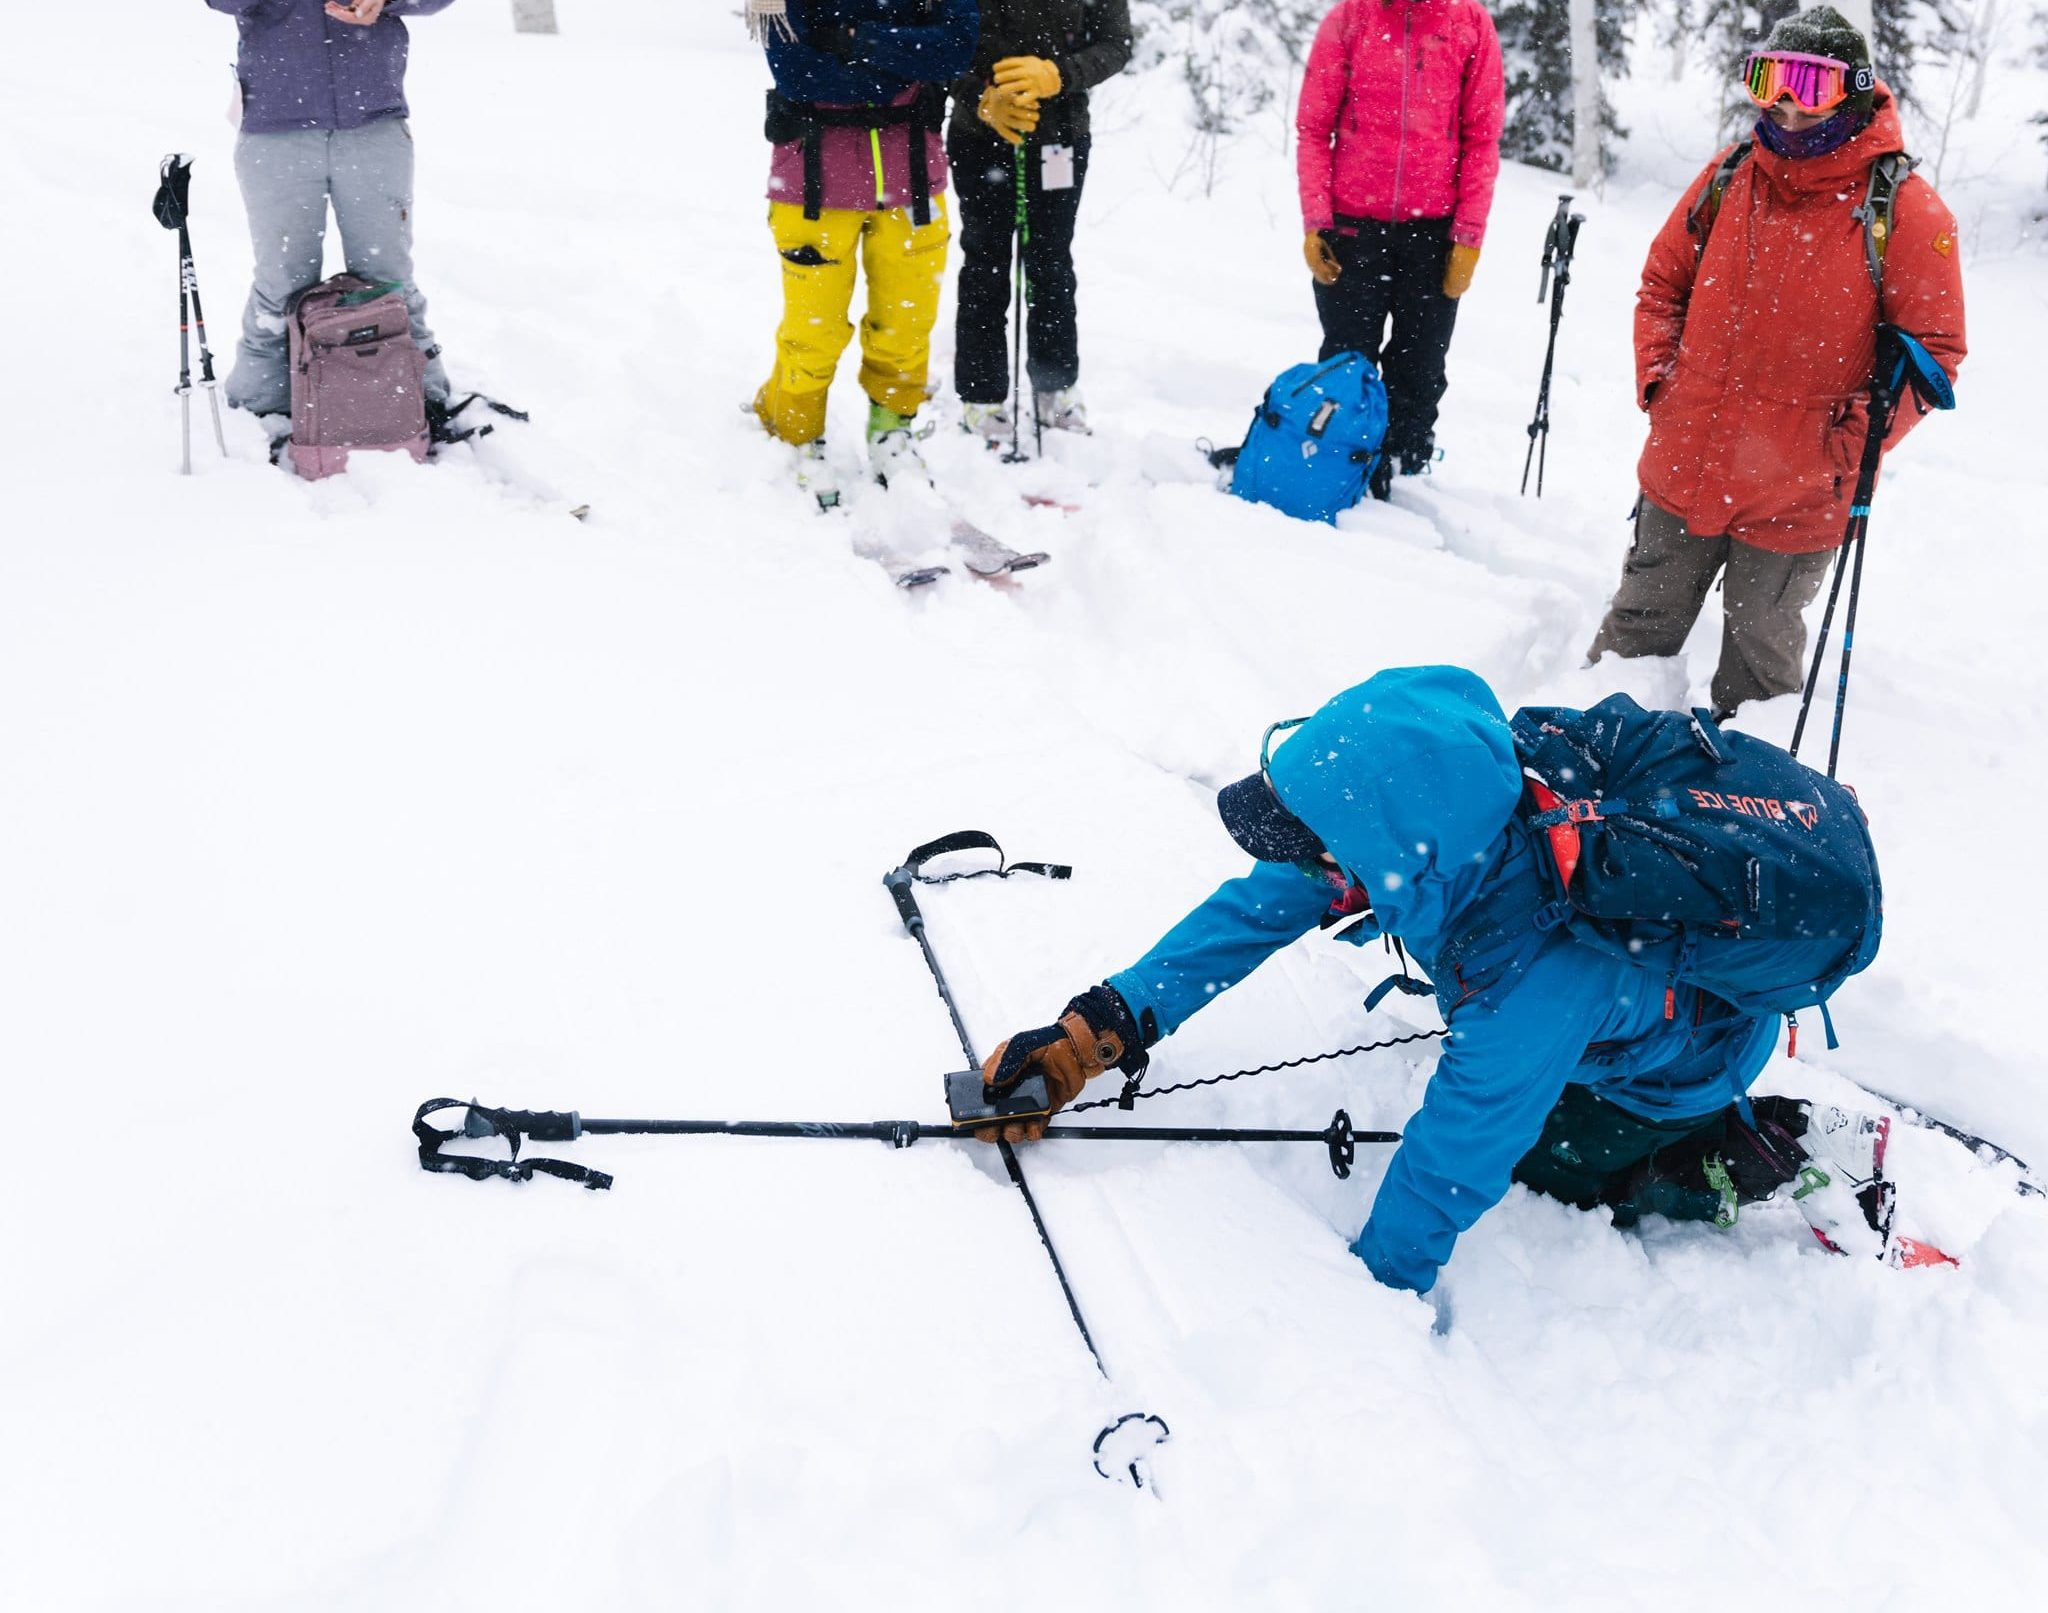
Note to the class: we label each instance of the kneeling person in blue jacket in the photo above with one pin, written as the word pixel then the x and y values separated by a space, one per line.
pixel 1392 811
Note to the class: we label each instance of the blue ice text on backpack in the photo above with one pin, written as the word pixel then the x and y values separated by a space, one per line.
pixel 1314 438
pixel 1714 857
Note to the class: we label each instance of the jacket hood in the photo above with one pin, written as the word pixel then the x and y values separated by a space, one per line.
pixel 1410 779
pixel 1851 160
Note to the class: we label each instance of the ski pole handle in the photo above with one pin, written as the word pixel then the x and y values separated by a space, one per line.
pixel 536 1125
pixel 902 887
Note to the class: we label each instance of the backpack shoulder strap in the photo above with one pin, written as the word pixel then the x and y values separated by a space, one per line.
pixel 1706 206
pixel 1887 174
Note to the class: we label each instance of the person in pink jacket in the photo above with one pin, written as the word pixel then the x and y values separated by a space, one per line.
pixel 1400 116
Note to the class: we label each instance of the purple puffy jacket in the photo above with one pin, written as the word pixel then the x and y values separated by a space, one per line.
pixel 300 69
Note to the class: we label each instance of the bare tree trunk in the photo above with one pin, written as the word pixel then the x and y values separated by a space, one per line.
pixel 534 16
pixel 1585 95
pixel 1983 38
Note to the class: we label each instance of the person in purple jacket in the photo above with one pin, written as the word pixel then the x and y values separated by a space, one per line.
pixel 323 118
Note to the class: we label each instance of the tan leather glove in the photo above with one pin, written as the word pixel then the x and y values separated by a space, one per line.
pixel 1033 76
pixel 1458 269
pixel 1009 114
pixel 1322 262
pixel 1068 1055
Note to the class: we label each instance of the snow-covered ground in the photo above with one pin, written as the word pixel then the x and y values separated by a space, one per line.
pixel 320 800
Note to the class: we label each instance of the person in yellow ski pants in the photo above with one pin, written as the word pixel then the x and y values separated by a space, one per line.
pixel 857 182
pixel 904 265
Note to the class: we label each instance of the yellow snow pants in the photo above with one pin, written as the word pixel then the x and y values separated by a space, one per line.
pixel 904 266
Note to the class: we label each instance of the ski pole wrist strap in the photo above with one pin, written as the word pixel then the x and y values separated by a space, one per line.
pixel 543 1125
pixel 974 840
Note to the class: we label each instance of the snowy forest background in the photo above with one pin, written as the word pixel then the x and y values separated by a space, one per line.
pixel 1241 59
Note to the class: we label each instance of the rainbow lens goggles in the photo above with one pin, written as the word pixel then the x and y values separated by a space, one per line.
pixel 1815 83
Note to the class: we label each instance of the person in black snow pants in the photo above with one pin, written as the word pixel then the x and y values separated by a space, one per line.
pixel 1399 125
pixel 1023 108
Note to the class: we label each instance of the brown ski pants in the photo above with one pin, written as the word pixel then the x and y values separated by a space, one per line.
pixel 1664 581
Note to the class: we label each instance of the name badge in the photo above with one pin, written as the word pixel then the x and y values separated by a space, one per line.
pixel 1056 168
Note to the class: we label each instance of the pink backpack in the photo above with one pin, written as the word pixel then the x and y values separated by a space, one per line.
pixel 357 379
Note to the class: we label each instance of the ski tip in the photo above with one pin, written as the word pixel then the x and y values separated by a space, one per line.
pixel 920 576
pixel 1008 566
pixel 1910 1254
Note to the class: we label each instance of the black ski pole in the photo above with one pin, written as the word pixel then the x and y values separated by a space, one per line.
pixel 1852 538
pixel 172 208
pixel 1902 365
pixel 1559 242
pixel 1848 645
pixel 1827 622
pixel 901 883
pixel 518 1126
pixel 1021 230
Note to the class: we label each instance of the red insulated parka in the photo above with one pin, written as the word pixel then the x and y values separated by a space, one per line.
pixel 1400 115
pixel 1754 357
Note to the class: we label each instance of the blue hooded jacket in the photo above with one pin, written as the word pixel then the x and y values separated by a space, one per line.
pixel 1411 780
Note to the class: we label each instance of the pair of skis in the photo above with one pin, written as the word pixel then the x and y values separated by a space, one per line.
pixel 983 555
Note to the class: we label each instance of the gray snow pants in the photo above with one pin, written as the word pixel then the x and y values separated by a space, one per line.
pixel 1664 581
pixel 287 180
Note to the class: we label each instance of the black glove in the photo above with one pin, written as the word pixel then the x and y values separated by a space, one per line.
pixel 840 41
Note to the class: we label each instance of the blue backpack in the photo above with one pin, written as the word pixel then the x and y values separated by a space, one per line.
pixel 1713 856
pixel 1314 439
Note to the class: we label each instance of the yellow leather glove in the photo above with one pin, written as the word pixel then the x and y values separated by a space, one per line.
pixel 1458 269
pixel 1009 114
pixel 1034 76
pixel 1322 262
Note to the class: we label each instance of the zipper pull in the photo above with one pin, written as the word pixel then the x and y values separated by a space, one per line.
pixel 1791 1036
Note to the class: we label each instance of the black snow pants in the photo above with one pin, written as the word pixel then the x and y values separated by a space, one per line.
pixel 1596 1153
pixel 985 192
pixel 1394 272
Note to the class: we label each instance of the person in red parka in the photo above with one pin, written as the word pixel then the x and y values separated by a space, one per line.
pixel 1400 118
pixel 1756 331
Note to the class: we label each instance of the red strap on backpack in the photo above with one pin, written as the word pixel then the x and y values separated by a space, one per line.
pixel 1564 837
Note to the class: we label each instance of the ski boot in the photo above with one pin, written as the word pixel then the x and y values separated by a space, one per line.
pixel 988 421
pixel 1850 1208
pixel 1062 410
pixel 815 475
pixel 1841 1189
pixel 892 449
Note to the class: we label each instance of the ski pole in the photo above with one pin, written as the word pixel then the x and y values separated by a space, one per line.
pixel 480 1121
pixel 206 378
pixel 901 883
pixel 1902 364
pixel 1559 242
pixel 172 208
pixel 1021 231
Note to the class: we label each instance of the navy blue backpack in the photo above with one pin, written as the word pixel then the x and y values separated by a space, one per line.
pixel 1713 856
pixel 1314 438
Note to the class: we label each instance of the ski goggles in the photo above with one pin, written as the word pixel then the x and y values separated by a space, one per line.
pixel 1815 83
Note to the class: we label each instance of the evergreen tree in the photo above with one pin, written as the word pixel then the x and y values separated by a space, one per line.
pixel 1535 42
pixel 2041 56
pixel 1730 30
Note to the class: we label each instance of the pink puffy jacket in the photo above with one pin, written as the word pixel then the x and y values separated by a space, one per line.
pixel 1400 115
